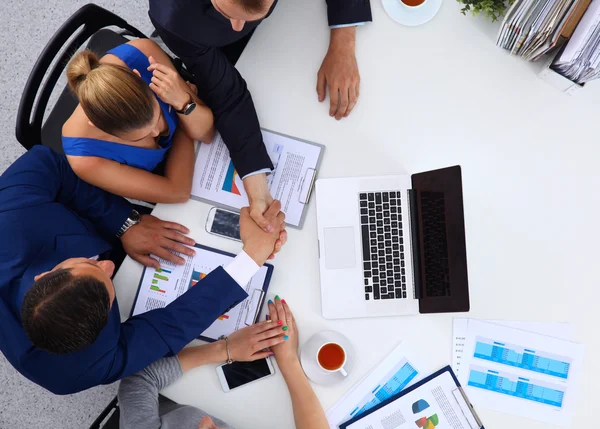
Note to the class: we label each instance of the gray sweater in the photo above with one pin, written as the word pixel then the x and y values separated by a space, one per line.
pixel 138 400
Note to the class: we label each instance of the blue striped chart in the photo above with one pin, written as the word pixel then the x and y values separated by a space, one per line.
pixel 394 382
pixel 522 357
pixel 518 387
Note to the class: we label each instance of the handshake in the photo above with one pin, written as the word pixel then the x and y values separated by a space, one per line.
pixel 153 236
pixel 259 244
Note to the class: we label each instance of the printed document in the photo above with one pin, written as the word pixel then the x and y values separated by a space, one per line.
pixel 159 287
pixel 295 162
pixel 563 331
pixel 520 372
pixel 437 404
pixel 394 374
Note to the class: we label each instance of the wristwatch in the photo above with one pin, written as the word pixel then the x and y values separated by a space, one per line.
pixel 188 108
pixel 133 219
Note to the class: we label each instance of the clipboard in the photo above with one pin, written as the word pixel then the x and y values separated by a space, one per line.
pixel 252 314
pixel 305 185
pixel 463 402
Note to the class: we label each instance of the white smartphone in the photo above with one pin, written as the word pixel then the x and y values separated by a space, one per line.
pixel 239 374
pixel 223 223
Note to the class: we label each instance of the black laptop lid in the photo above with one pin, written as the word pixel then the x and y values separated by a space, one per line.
pixel 439 248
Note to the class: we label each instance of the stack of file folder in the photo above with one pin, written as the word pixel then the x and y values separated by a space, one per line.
pixel 580 60
pixel 533 28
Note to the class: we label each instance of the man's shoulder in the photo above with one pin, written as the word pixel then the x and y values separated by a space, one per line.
pixel 37 157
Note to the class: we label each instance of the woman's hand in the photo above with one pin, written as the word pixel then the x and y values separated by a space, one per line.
pixel 287 350
pixel 250 343
pixel 168 85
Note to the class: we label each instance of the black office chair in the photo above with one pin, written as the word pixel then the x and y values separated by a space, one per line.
pixel 109 418
pixel 89 22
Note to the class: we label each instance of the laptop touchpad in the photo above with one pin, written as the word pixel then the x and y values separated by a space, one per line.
pixel 339 248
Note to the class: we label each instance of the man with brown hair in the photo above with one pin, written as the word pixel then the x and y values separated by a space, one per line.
pixel 209 36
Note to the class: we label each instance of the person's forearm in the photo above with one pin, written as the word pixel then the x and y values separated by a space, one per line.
pixel 343 38
pixel 308 411
pixel 193 357
pixel 256 187
pixel 200 124
pixel 179 168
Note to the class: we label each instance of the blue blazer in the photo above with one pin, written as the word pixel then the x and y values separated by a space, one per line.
pixel 47 215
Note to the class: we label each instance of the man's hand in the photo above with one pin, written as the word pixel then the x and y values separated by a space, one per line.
pixel 260 199
pixel 339 71
pixel 258 244
pixel 156 237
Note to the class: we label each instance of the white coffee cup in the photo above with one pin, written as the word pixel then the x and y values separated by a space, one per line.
pixel 340 369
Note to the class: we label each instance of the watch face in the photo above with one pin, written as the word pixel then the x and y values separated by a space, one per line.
pixel 135 216
pixel 189 108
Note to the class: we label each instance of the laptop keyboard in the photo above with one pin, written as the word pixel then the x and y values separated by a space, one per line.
pixel 435 244
pixel 383 245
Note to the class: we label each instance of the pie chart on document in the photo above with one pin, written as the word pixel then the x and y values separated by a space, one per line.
pixel 412 12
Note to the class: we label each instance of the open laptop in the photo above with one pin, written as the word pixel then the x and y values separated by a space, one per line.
pixel 392 245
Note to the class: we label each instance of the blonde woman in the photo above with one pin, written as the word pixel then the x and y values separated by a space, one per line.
pixel 134 110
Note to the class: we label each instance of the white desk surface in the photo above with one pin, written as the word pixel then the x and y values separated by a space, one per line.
pixel 431 96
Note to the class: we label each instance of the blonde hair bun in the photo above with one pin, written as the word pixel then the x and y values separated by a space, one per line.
pixel 80 67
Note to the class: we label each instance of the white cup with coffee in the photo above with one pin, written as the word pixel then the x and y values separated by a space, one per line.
pixel 412 4
pixel 331 357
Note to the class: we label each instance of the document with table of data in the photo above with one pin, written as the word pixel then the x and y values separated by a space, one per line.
pixel 295 162
pixel 564 331
pixel 520 372
pixel 437 402
pixel 396 372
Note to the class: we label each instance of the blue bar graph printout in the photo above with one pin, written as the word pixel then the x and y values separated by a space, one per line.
pixel 519 387
pixel 521 357
pixel 395 382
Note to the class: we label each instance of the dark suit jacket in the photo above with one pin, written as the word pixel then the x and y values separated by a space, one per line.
pixel 47 215
pixel 194 31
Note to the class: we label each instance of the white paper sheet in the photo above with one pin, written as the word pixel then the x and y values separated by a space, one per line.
pixel 520 372
pixel 432 405
pixel 160 287
pixel 564 331
pixel 215 178
pixel 396 372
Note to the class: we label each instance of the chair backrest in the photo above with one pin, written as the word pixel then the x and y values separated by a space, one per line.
pixel 80 26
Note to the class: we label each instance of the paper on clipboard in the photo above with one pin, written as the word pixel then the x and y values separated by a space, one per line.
pixel 295 168
pixel 436 402
pixel 159 287
pixel 396 372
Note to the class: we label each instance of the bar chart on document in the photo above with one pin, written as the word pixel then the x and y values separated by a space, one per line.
pixel 394 382
pixel 391 376
pixel 161 286
pixel 520 372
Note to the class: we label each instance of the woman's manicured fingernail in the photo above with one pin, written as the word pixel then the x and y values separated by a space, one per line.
pixel 283 300
pixel 269 228
pixel 279 322
pixel 285 328
pixel 270 302
pixel 272 354
pixel 277 297
pixel 286 338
